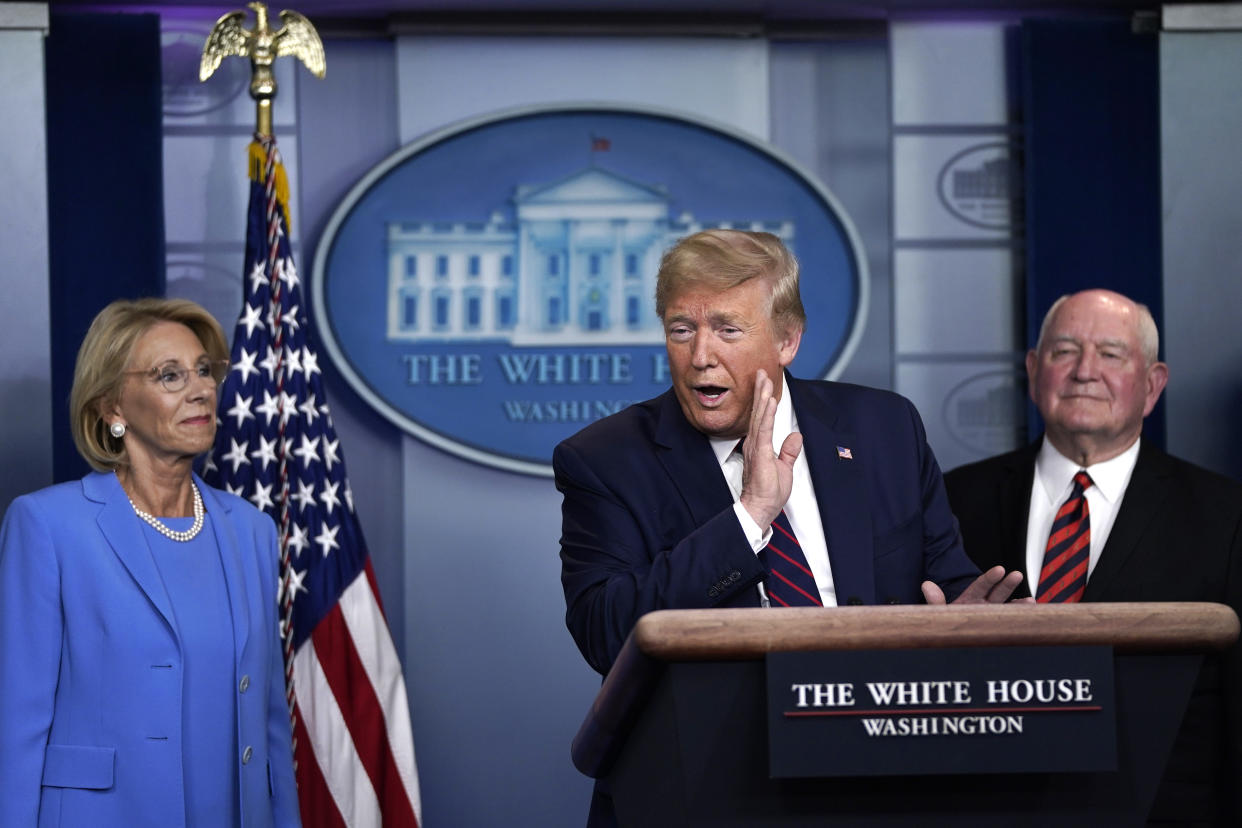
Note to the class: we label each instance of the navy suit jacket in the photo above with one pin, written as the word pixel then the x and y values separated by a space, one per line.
pixel 91 667
pixel 1177 537
pixel 648 520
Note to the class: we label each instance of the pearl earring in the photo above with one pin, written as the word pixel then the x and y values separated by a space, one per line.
pixel 117 429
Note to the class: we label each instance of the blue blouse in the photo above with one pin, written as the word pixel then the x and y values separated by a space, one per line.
pixel 194 578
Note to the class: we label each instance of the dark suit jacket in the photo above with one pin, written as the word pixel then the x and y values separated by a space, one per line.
pixel 1177 537
pixel 648 520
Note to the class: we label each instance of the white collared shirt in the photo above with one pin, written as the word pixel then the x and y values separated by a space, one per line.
pixel 801 508
pixel 1054 480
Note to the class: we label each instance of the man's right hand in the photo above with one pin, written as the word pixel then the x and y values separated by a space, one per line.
pixel 767 478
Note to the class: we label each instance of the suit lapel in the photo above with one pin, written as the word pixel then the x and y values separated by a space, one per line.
pixel 691 464
pixel 1147 489
pixel 841 493
pixel 231 560
pixel 122 529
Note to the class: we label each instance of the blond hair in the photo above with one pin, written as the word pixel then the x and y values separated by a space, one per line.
pixel 724 259
pixel 104 358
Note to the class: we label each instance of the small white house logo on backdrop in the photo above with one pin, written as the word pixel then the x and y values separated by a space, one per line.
pixel 184 95
pixel 985 412
pixel 980 187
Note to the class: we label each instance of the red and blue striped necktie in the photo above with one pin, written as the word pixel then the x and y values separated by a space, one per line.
pixel 789 582
pixel 1063 577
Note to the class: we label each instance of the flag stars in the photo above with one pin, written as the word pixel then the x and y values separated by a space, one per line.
pixel 297 540
pixel 290 319
pixel 308 408
pixel 294 583
pixel 262 497
pixel 327 539
pixel 270 406
pixel 288 406
pixel 305 496
pixel 245 364
pixel 258 276
pixel 308 452
pixel 270 363
pixel 288 273
pixel 349 496
pixel 235 455
pixel 271 318
pixel 330 455
pixel 329 496
pixel 293 362
pixel 266 452
pixel 310 363
pixel 241 409
pixel 252 317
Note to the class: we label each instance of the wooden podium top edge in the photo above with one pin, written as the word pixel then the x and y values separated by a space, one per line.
pixel 744 634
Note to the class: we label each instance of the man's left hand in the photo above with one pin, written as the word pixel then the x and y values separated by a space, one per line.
pixel 992 587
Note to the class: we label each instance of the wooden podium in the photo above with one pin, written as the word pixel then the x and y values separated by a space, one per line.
pixel 678 732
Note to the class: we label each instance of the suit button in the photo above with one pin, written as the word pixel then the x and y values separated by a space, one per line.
pixel 892 600
pixel 244 684
pixel 246 754
pixel 713 592
pixel 735 576
pixel 854 601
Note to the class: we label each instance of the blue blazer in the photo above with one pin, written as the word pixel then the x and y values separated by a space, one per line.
pixel 648 521
pixel 91 669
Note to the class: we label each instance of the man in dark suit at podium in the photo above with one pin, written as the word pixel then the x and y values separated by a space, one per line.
pixel 833 497
pixel 1092 512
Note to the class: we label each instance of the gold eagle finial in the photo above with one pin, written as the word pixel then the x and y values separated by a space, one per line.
pixel 229 38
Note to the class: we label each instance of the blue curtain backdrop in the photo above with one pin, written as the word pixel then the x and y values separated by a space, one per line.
pixel 1091 104
pixel 105 185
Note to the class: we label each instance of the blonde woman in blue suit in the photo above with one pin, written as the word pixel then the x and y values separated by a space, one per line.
pixel 141 681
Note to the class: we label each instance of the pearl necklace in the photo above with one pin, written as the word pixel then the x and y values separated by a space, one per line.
pixel 188 534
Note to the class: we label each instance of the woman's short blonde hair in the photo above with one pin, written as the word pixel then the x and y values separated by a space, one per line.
pixel 722 259
pixel 104 358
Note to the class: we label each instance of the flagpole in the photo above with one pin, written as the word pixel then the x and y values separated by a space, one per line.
pixel 296 36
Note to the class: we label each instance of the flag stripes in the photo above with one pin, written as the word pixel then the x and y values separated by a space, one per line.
pixel 277 447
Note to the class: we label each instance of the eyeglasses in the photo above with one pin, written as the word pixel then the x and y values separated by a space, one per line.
pixel 175 378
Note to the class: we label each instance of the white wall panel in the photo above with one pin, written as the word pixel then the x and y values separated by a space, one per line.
pixel 1200 132
pixel 446 79
pixel 949 73
pixel 941 293
pixel 25 372
pixel 957 291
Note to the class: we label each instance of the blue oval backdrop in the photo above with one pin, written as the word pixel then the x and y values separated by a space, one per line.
pixel 490 288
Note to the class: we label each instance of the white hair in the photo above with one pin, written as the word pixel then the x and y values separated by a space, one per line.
pixel 1148 336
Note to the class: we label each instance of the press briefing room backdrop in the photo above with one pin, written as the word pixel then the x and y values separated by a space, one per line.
pixel 975 163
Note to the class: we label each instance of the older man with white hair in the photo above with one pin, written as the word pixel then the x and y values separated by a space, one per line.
pixel 1092 512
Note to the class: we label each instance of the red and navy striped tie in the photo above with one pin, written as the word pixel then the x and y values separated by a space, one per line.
pixel 1063 577
pixel 790 582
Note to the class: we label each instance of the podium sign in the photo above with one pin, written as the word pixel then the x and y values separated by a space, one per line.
pixel 943 711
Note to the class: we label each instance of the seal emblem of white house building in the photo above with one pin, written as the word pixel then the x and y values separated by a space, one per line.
pixel 490 288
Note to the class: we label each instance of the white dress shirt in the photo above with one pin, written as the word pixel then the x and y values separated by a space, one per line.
pixel 801 508
pixel 1054 480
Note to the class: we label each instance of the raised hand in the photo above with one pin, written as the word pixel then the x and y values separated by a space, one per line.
pixel 767 478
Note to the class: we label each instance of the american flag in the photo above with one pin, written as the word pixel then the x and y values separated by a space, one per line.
pixel 277 447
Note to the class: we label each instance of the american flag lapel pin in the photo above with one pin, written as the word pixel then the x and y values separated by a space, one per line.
pixel 844 453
